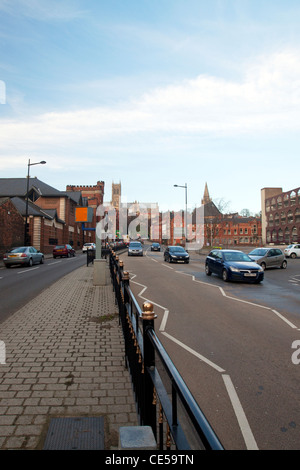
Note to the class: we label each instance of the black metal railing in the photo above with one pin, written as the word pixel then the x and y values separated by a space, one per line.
pixel 163 400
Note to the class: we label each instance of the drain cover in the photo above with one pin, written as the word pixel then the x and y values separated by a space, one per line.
pixel 75 434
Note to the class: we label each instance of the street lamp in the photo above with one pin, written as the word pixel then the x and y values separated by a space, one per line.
pixel 185 225
pixel 27 191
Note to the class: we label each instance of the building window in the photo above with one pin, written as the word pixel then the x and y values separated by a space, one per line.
pixel 293 198
pixel 280 235
pixel 235 231
pixel 241 231
pixel 286 200
pixel 297 216
pixel 295 235
pixel 279 203
pixel 287 236
pixel 273 205
pixel 283 218
pixel 276 219
pixel 271 220
pixel 290 217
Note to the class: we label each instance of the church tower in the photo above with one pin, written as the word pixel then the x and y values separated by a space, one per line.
pixel 206 198
pixel 116 195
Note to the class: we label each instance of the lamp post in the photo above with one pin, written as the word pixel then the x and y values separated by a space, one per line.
pixel 185 225
pixel 27 191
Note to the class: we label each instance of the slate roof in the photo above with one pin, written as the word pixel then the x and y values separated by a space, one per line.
pixel 18 187
pixel 34 210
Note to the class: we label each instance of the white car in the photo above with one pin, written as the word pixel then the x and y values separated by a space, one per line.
pixel 292 251
pixel 88 246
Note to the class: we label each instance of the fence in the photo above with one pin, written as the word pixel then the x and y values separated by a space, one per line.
pixel 163 400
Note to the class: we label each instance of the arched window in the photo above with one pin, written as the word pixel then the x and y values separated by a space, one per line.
pixel 287 235
pixel 276 219
pixel 271 220
pixel 268 236
pixel 295 235
pixel 286 200
pixel 280 235
pixel 293 198
pixel 290 217
pixel 274 236
pixel 273 204
pixel 279 202
pixel 283 218
pixel 297 215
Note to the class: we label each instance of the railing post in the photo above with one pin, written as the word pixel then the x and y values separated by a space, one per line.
pixel 149 401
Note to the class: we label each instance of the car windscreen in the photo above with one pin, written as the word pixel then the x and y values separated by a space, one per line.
pixel 135 245
pixel 177 249
pixel 22 249
pixel 258 252
pixel 236 257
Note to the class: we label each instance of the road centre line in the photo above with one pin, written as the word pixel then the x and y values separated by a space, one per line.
pixel 28 271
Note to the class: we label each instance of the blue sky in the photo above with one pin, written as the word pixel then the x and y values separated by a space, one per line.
pixel 153 93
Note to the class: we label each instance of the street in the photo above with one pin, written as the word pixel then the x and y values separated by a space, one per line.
pixel 232 344
pixel 19 284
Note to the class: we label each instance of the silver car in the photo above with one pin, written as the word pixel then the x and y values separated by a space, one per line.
pixel 293 251
pixel 23 255
pixel 135 249
pixel 269 257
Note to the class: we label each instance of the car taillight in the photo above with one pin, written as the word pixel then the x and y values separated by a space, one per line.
pixel 23 255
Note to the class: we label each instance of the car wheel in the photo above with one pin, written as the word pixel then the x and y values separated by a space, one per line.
pixel 42 260
pixel 293 255
pixel 207 270
pixel 263 265
pixel 7 265
pixel 284 265
pixel 68 255
pixel 30 262
pixel 170 261
pixel 54 257
pixel 225 275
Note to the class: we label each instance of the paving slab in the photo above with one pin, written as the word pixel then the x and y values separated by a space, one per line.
pixel 64 358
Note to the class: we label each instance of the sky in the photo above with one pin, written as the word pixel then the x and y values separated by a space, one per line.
pixel 153 93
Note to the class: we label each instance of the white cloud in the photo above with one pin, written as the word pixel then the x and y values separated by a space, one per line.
pixel 266 100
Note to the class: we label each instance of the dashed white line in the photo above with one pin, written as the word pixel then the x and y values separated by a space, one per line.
pixel 28 271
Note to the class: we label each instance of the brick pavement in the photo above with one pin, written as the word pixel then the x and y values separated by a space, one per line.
pixel 64 358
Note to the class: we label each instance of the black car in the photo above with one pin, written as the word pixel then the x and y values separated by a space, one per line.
pixel 233 265
pixel 174 254
pixel 155 247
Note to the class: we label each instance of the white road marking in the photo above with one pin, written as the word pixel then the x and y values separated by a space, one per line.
pixel 28 270
pixel 238 409
pixel 239 413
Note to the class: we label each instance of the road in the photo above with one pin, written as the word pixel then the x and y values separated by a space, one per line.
pixel 19 284
pixel 232 344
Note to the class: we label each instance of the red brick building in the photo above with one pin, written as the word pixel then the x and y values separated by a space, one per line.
pixel 51 213
pixel 280 215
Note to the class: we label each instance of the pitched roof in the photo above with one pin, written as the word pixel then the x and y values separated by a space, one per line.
pixel 18 187
pixel 34 210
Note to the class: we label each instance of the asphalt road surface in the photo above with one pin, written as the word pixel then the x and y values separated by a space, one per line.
pixel 232 344
pixel 19 284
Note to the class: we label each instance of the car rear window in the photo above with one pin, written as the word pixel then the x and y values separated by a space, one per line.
pixel 59 247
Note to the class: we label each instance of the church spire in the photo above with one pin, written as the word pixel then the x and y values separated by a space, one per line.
pixel 206 197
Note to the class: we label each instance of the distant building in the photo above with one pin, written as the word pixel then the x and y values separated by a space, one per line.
pixel 280 216
pixel 51 213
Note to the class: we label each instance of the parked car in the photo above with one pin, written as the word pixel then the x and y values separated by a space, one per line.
pixel 63 251
pixel 175 254
pixel 233 265
pixel 269 257
pixel 292 251
pixel 24 255
pixel 88 246
pixel 135 249
pixel 155 247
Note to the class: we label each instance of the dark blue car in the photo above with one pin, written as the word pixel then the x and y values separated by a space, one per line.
pixel 233 265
